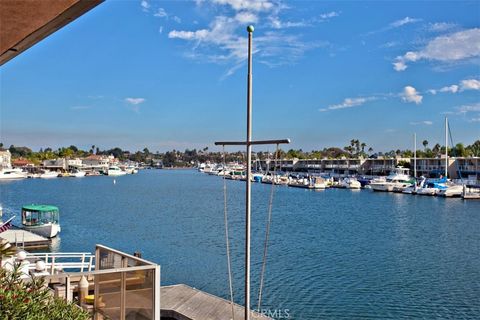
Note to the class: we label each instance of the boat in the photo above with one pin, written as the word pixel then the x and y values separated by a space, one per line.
pixel 78 173
pixel 47 174
pixel 12 174
pixel 451 190
pixel 398 178
pixel 41 219
pixel 257 177
pixel 432 187
pixel 350 183
pixel 131 170
pixel 115 171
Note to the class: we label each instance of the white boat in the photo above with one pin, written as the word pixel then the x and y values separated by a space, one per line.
pixel 131 170
pixel 47 174
pixel 78 174
pixel 398 178
pixel 12 174
pixel 41 219
pixel 115 171
pixel 410 189
pixel 452 190
pixel 350 183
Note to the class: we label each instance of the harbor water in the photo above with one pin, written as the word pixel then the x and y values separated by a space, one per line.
pixel 333 254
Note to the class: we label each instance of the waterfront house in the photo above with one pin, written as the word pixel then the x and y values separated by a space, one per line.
pixel 22 163
pixel 434 167
pixel 97 162
pixel 5 159
pixel 59 164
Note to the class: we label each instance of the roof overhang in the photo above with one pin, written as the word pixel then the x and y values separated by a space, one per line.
pixel 23 23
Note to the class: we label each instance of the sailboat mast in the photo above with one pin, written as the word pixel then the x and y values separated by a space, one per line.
pixel 446 147
pixel 415 155
pixel 249 170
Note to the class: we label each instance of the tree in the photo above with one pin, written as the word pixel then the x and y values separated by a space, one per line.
pixel 474 149
pixel 459 150
pixel 32 299
pixel 363 145
pixel 425 144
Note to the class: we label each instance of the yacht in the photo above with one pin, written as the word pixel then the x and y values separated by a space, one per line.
pixel 41 219
pixel 131 169
pixel 115 171
pixel 78 173
pixel 47 174
pixel 398 178
pixel 451 190
pixel 11 174
pixel 432 187
pixel 350 183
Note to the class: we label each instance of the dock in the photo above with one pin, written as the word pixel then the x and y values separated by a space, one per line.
pixel 24 239
pixel 186 303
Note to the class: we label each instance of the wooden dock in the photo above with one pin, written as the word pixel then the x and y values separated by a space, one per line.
pixel 182 302
pixel 24 239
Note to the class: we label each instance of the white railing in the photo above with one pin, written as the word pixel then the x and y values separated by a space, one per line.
pixel 66 262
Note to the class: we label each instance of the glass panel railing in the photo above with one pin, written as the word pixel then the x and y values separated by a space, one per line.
pixel 139 294
pixel 109 295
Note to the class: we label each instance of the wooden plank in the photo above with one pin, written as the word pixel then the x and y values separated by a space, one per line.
pixel 27 238
pixel 190 303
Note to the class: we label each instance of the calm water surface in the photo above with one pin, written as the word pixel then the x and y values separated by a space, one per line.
pixel 333 254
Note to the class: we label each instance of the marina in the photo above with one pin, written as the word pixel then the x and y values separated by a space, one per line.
pixel 388 239
pixel 239 233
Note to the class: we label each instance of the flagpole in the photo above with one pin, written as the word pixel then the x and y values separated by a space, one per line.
pixel 249 169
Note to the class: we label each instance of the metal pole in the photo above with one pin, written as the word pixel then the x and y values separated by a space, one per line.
pixel 415 155
pixel 446 147
pixel 248 182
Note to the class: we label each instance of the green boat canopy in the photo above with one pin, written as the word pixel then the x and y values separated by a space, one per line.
pixel 40 208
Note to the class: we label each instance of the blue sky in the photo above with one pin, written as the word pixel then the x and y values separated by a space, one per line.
pixel 172 74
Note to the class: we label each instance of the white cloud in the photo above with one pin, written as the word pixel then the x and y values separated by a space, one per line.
pixel 134 101
pixel 404 21
pixel 410 94
pixel 470 84
pixel 161 13
pixel 453 89
pixel 390 44
pixel 246 17
pixel 276 23
pixel 329 15
pixel 189 35
pixel 222 43
pixel 469 108
pixel 177 19
pixel 425 122
pixel 349 103
pixel 252 5
pixel 441 26
pixel 457 46
pixel 475 119
pixel 160 30
pixel 145 5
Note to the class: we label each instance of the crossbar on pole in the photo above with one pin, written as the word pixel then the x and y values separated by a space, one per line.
pixel 257 142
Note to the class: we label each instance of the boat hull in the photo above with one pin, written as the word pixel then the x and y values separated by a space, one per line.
pixel 49 230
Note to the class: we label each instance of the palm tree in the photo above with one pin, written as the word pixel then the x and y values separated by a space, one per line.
pixel 363 145
pixel 425 144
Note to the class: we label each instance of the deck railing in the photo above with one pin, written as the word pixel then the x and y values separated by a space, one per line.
pixel 124 286
pixel 63 262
